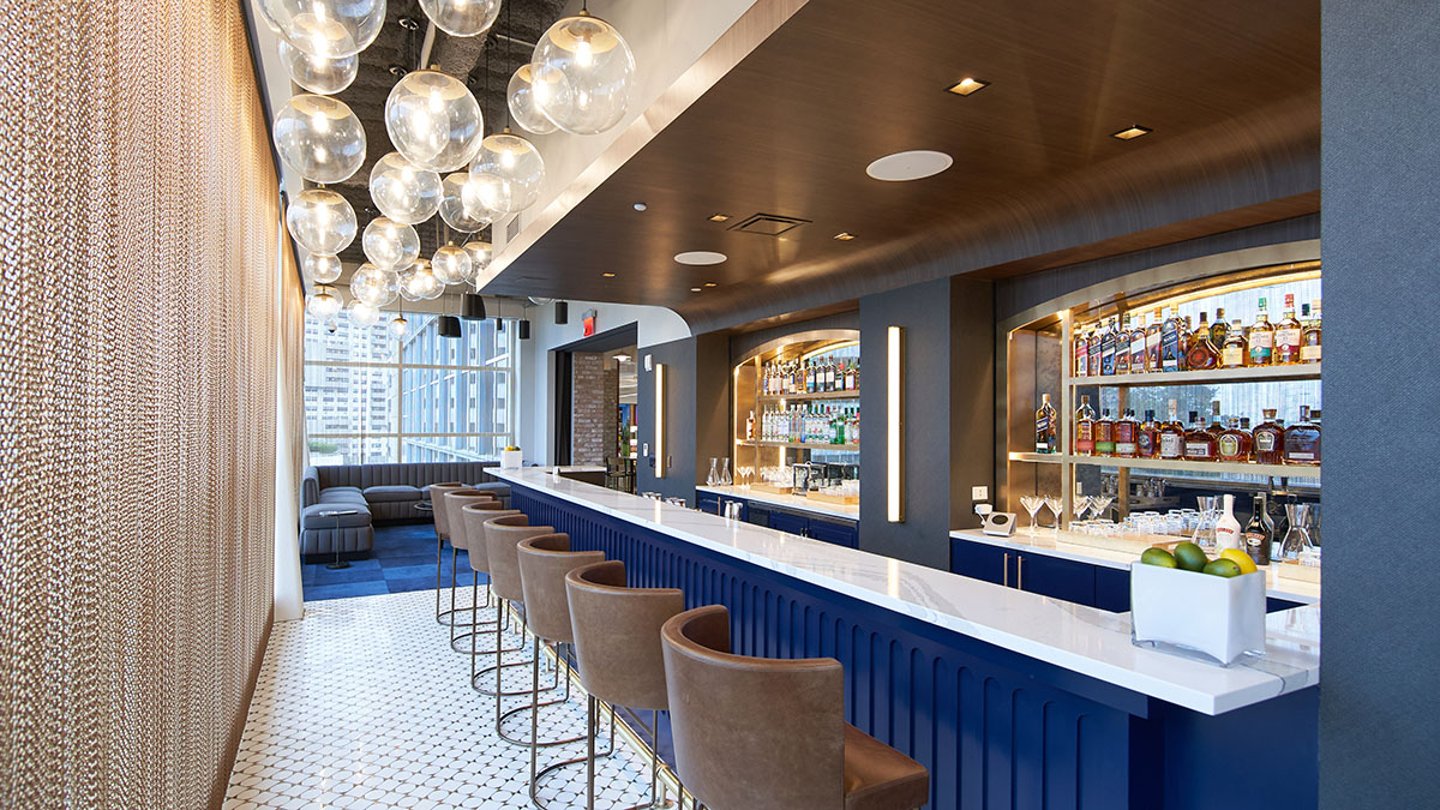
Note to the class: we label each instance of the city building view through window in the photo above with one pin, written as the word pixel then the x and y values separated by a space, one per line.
pixel 371 398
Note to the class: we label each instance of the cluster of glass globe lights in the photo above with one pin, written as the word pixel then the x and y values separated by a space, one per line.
pixel 578 81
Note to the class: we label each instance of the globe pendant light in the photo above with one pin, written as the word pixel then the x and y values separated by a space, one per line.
pixel 462 18
pixel 420 284
pixel 520 97
pixel 399 326
pixel 404 192
pixel 325 28
pixel 322 268
pixel 324 303
pixel 332 324
pixel 508 170
pixel 375 285
pixel 319 138
pixel 451 264
pixel 583 70
pixel 390 244
pixel 480 254
pixel 434 120
pixel 363 313
pixel 325 76
pixel 321 221
pixel 458 190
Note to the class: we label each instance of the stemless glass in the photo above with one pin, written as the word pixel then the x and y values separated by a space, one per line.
pixel 1032 504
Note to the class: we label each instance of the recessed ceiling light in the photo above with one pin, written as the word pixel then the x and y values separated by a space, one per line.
pixel 718 217
pixel 1131 133
pixel 640 206
pixel 966 86
pixel 711 284
pixel 608 275
pixel 844 236
pixel 694 289
pixel 700 257
pixel 913 165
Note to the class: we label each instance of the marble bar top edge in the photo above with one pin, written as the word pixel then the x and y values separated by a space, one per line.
pixel 1085 640
pixel 797 502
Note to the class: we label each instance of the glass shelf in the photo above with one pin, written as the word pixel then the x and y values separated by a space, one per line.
pixel 1178 465
pixel 1308 371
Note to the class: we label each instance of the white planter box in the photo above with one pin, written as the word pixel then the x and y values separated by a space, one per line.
pixel 1216 617
pixel 510 459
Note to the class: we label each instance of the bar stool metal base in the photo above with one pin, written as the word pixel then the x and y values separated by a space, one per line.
pixel 535 705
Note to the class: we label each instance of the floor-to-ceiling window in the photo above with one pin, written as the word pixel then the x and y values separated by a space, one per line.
pixel 371 398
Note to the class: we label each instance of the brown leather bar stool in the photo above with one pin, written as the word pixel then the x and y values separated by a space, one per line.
pixel 617 644
pixel 502 539
pixel 544 562
pixel 442 535
pixel 454 500
pixel 473 515
pixel 763 732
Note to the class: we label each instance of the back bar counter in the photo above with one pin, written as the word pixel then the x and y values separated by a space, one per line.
pixel 1011 699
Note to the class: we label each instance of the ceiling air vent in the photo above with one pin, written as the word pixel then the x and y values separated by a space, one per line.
pixel 768 224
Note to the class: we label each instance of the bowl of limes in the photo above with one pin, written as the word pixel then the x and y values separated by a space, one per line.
pixel 1182 600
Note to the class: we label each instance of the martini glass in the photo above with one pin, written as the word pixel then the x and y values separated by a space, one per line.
pixel 1056 505
pixel 1032 504
pixel 1099 503
pixel 1080 504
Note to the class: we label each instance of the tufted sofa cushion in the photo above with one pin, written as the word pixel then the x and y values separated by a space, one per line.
pixel 390 493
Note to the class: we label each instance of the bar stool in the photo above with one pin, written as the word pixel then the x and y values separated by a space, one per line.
pixel 617 644
pixel 442 534
pixel 762 732
pixel 473 515
pixel 454 500
pixel 502 538
pixel 544 562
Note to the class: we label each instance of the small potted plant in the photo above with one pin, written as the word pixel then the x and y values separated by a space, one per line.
pixel 510 458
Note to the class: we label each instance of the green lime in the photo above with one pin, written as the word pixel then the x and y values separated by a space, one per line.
pixel 1158 556
pixel 1223 568
pixel 1190 557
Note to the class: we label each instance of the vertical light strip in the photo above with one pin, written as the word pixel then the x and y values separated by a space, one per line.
pixel 894 425
pixel 659 420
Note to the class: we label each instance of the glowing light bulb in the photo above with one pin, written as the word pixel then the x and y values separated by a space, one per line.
pixel 584 57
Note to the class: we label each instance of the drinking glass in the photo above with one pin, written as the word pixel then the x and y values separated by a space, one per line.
pixel 1099 503
pixel 1056 505
pixel 1080 504
pixel 1032 504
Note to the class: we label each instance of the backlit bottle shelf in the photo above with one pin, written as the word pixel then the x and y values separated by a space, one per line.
pixel 1308 371
pixel 819 395
pixel 1180 465
pixel 802 445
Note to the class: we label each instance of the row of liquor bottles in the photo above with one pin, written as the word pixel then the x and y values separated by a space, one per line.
pixel 1232 439
pixel 1169 342
pixel 815 424
pixel 810 377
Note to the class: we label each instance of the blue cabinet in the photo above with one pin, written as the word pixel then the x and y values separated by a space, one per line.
pixel 1112 589
pixel 790 522
pixel 707 502
pixel 830 530
pixel 845 533
pixel 1054 577
pixel 980 561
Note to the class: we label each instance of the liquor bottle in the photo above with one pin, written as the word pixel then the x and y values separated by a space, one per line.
pixel 1233 444
pixel 1152 342
pixel 1310 336
pixel 1235 351
pixel 1147 440
pixel 1256 535
pixel 750 427
pixel 1082 354
pixel 809 378
pixel 1227 528
pixel 1302 441
pixel 1219 328
pixel 1046 438
pixel 1109 342
pixel 1122 347
pixel 1269 439
pixel 1202 329
pixel 1202 353
pixel 1217 425
pixel 1093 352
pixel 1187 329
pixel 1127 434
pixel 1137 346
pixel 1287 335
pixel 1084 428
pixel 1199 444
pixel 1105 435
pixel 830 376
pixel 1170 348
pixel 1260 342
pixel 1172 436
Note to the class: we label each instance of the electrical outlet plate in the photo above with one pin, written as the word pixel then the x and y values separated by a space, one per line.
pixel 979 493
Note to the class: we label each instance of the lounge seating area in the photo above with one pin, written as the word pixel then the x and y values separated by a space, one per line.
pixel 367 494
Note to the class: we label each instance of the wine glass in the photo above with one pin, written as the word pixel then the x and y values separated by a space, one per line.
pixel 1032 504
pixel 1056 505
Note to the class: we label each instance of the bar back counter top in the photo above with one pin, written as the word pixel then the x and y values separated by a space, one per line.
pixel 1056 651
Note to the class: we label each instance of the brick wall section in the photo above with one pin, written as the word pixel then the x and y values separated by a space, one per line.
pixel 594 392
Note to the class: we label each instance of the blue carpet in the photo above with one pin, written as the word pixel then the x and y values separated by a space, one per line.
pixel 403 559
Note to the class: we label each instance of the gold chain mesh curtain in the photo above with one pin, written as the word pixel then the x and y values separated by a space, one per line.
pixel 138 318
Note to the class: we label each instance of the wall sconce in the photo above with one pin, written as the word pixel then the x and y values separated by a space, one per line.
pixel 659 420
pixel 895 424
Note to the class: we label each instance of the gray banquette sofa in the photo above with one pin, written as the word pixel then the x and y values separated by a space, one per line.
pixel 377 493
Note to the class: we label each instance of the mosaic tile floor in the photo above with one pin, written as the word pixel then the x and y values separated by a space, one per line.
pixel 363 704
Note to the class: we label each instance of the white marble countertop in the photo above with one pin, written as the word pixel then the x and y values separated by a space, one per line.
pixel 1120 552
pixel 1086 640
pixel 797 502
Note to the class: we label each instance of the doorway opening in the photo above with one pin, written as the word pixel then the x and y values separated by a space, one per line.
pixel 596 421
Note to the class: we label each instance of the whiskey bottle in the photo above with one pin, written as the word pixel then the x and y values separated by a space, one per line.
pixel 1269 439
pixel 1085 428
pixel 1105 435
pixel 1046 440
pixel 1202 353
pixel 1172 436
pixel 1199 444
pixel 1170 348
pixel 1147 440
pixel 1260 342
pixel 1094 351
pixel 1127 432
pixel 809 377
pixel 1310 336
pixel 1257 535
pixel 1108 344
pixel 1233 444
pixel 1302 441
pixel 1137 346
pixel 1082 354
pixel 1152 341
pixel 1234 352
pixel 1217 426
pixel 1219 328
pixel 1122 347
pixel 1287 335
